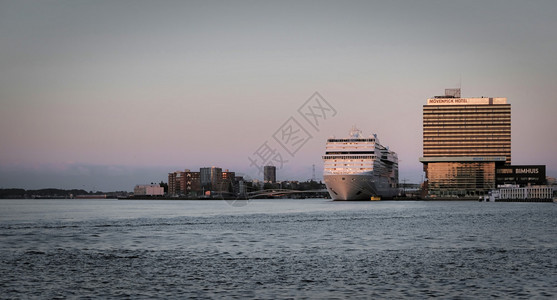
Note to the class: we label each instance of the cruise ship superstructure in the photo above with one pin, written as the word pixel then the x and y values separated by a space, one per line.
pixel 360 168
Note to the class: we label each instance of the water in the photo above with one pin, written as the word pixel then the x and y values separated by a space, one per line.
pixel 276 249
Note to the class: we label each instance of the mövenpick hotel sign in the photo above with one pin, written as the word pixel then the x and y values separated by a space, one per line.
pixel 466 101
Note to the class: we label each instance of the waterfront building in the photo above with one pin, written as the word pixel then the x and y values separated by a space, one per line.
pixel 228 182
pixel 210 177
pixel 148 190
pixel 188 183
pixel 228 175
pixel 176 184
pixel 527 193
pixel 515 193
pixel 464 141
pixel 184 183
pixel 192 182
pixel 269 174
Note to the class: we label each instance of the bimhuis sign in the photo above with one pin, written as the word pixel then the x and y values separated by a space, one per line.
pixel 521 174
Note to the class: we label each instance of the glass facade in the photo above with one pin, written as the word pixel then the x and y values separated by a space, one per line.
pixel 460 179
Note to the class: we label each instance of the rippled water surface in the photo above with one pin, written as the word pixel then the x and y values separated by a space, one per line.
pixel 277 249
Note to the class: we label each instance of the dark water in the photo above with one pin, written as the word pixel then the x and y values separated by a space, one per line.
pixel 277 249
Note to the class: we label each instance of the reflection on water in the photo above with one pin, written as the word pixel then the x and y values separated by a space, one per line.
pixel 277 249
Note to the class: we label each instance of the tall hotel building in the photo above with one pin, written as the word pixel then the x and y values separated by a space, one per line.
pixel 464 140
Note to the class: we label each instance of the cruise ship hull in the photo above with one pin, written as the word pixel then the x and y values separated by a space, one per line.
pixel 358 187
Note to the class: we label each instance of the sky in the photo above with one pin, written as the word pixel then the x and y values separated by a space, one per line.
pixel 104 95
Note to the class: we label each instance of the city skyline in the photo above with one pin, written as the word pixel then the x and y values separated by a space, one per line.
pixel 105 95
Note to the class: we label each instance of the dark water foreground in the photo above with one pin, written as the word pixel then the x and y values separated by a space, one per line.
pixel 277 249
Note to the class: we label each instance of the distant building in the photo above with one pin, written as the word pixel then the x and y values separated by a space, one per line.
pixel 175 186
pixel 184 183
pixel 213 179
pixel 228 176
pixel 228 182
pixel 192 182
pixel 269 174
pixel 210 177
pixel 148 190
pixel 240 186
pixel 464 141
pixel 509 193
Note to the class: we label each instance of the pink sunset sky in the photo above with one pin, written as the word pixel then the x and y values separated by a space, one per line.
pixel 103 95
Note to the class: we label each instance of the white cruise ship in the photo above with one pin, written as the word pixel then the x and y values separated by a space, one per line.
pixel 360 168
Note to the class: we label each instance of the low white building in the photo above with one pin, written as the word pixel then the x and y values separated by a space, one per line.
pixel 530 192
pixel 148 190
pixel 515 193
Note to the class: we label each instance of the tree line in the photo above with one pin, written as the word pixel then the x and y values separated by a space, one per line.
pixel 14 193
